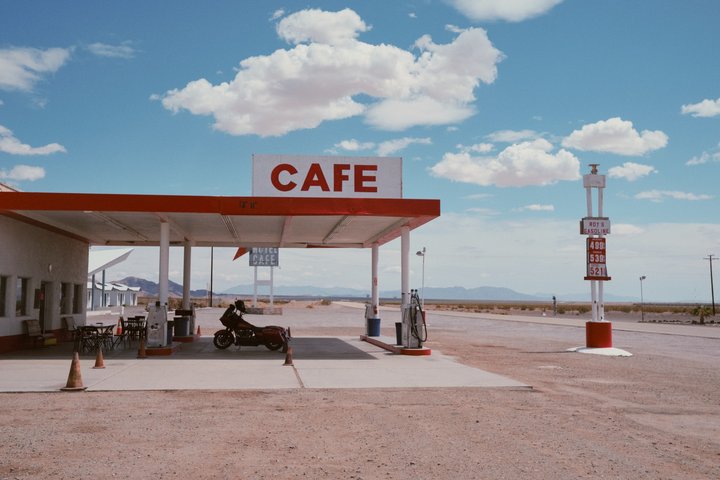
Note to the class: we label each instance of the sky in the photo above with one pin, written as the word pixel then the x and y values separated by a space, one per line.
pixel 497 107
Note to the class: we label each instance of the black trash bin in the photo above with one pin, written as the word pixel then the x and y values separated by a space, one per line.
pixel 169 332
pixel 398 333
pixel 182 326
pixel 373 327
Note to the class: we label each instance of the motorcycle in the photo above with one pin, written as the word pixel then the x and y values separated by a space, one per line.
pixel 240 332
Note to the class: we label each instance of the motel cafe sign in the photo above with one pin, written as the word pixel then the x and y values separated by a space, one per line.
pixel 327 176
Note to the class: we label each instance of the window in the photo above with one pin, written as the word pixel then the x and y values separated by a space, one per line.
pixel 21 293
pixel 3 295
pixel 78 298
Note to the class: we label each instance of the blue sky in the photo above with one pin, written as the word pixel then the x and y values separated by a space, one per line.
pixel 497 108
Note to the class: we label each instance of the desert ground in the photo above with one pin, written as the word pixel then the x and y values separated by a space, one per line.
pixel 655 415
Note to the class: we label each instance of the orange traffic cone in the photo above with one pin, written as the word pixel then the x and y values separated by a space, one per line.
pixel 141 350
pixel 74 381
pixel 118 332
pixel 99 359
pixel 288 357
pixel 198 332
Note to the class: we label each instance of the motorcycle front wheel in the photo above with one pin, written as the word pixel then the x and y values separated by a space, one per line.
pixel 223 339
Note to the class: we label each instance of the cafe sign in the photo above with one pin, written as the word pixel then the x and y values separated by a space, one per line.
pixel 326 176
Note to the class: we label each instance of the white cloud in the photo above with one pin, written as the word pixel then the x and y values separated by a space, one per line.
pixel 476 148
pixel 319 26
pixel 615 135
pixel 22 68
pixel 660 195
pixel 112 51
pixel 631 171
pixel 353 145
pixel 478 196
pixel 512 136
pixel 510 10
pixel 23 173
pixel 391 146
pixel 277 14
pixel 706 108
pixel 519 165
pixel 484 212
pixel 705 157
pixel 318 80
pixel 626 230
pixel 13 146
pixel 536 207
pixel 401 114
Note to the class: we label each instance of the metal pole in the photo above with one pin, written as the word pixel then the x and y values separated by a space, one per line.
pixel 642 302
pixel 712 287
pixel 422 297
pixel 421 253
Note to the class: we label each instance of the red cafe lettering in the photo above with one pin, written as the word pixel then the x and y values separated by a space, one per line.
pixel 286 177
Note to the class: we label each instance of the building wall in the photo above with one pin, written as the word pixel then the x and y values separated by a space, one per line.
pixel 42 257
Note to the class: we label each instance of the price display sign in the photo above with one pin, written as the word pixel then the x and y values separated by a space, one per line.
pixel 596 259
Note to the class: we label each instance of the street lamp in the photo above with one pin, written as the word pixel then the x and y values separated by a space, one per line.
pixel 421 253
pixel 642 311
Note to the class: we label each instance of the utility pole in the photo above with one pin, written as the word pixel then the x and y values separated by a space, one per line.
pixel 642 302
pixel 712 288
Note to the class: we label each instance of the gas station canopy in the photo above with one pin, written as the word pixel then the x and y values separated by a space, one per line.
pixel 286 222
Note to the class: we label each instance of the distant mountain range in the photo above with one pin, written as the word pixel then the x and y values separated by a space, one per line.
pixel 431 293
pixel 151 288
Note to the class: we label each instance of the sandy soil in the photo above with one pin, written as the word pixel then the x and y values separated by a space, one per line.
pixel 651 416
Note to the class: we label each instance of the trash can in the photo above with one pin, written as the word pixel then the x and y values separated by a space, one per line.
pixel 398 333
pixel 182 326
pixel 373 327
pixel 169 332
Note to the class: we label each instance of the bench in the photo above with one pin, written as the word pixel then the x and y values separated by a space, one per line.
pixel 38 338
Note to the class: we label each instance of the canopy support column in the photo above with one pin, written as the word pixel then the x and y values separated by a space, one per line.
pixel 187 260
pixel 405 265
pixel 375 298
pixel 164 262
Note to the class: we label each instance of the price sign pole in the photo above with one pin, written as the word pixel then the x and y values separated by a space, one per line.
pixel 598 332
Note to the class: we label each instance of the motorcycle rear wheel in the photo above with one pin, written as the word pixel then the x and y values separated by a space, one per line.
pixel 274 345
pixel 223 339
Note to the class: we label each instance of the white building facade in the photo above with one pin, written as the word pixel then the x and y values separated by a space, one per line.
pixel 43 275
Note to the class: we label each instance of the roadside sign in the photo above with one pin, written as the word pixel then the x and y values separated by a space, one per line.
pixel 264 257
pixel 596 259
pixel 595 226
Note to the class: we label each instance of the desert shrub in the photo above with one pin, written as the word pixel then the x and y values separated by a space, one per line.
pixel 701 311
pixel 325 302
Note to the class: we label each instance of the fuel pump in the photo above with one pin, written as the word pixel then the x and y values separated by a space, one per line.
pixel 414 328
pixel 157 325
